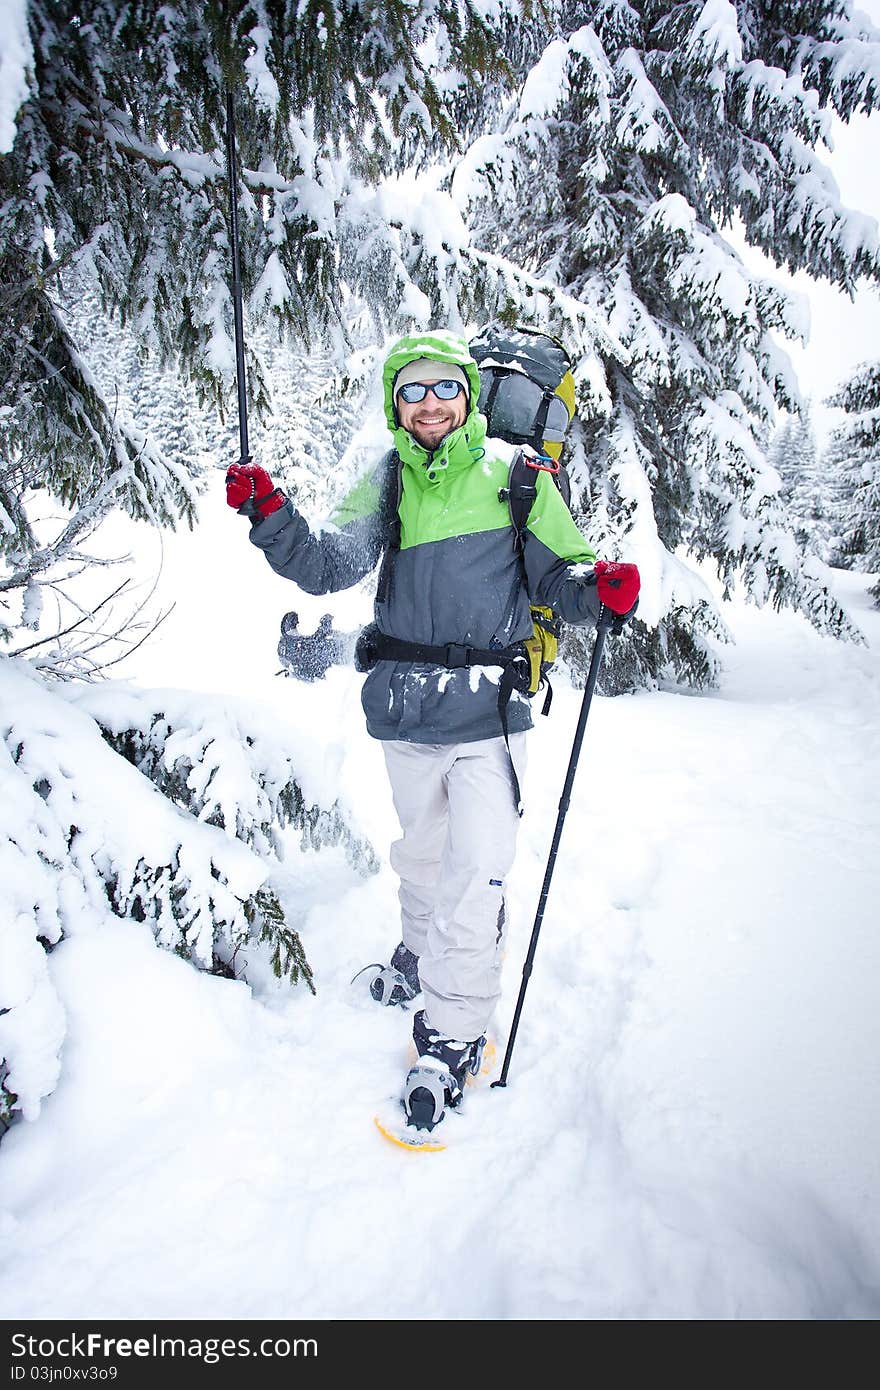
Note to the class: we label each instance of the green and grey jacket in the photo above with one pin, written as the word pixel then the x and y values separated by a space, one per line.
pixel 455 575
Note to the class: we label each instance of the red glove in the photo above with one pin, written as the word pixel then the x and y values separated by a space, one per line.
pixel 617 585
pixel 250 490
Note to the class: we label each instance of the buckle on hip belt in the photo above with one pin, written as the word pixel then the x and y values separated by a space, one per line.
pixel 456 656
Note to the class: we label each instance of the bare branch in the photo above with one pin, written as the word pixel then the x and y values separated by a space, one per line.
pixel 81 659
pixel 54 637
pixel 149 633
pixel 84 522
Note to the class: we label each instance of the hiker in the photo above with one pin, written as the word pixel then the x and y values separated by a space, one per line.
pixel 447 681
pixel 308 657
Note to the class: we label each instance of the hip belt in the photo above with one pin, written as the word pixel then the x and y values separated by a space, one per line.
pixel 374 646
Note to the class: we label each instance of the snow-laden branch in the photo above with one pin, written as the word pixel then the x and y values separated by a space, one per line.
pixel 158 807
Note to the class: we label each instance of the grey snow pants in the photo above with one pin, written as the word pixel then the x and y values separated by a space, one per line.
pixel 455 807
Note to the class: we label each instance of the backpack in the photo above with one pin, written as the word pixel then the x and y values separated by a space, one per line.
pixel 527 396
pixel 526 388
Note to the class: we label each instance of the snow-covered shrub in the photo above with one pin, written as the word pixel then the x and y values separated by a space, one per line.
pixel 215 758
pixel 86 833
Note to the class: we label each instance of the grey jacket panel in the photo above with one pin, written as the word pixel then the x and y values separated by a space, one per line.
pixel 467 590
pixel 424 704
pixel 319 562
pixel 555 583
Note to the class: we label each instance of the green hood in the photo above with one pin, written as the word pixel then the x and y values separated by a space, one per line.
pixel 441 346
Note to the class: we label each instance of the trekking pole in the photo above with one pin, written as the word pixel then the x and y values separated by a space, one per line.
pixel 606 618
pixel 232 178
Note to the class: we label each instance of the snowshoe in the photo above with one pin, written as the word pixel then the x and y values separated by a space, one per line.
pixel 438 1078
pixel 432 1087
pixel 396 984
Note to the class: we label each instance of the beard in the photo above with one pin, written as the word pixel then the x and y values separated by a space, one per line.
pixel 430 441
pixel 432 438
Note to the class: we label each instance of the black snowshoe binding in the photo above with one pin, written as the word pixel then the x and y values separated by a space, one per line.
pixel 397 983
pixel 438 1078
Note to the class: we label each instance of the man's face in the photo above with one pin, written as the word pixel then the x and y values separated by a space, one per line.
pixel 430 419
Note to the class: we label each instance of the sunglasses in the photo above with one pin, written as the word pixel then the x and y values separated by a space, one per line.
pixel 415 391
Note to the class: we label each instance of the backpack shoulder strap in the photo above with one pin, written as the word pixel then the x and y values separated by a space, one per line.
pixel 519 494
pixel 390 481
pixel 390 489
pixel 563 482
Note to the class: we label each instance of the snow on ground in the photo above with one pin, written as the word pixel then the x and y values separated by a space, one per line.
pixel 691 1124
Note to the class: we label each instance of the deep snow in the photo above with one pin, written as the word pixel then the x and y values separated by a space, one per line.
pixel 691 1127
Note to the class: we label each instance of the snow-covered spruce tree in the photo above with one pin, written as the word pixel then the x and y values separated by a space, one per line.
pixel 117 178
pixel 113 129
pixel 808 491
pixel 641 134
pixel 855 451
pixel 300 438
pixel 117 172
